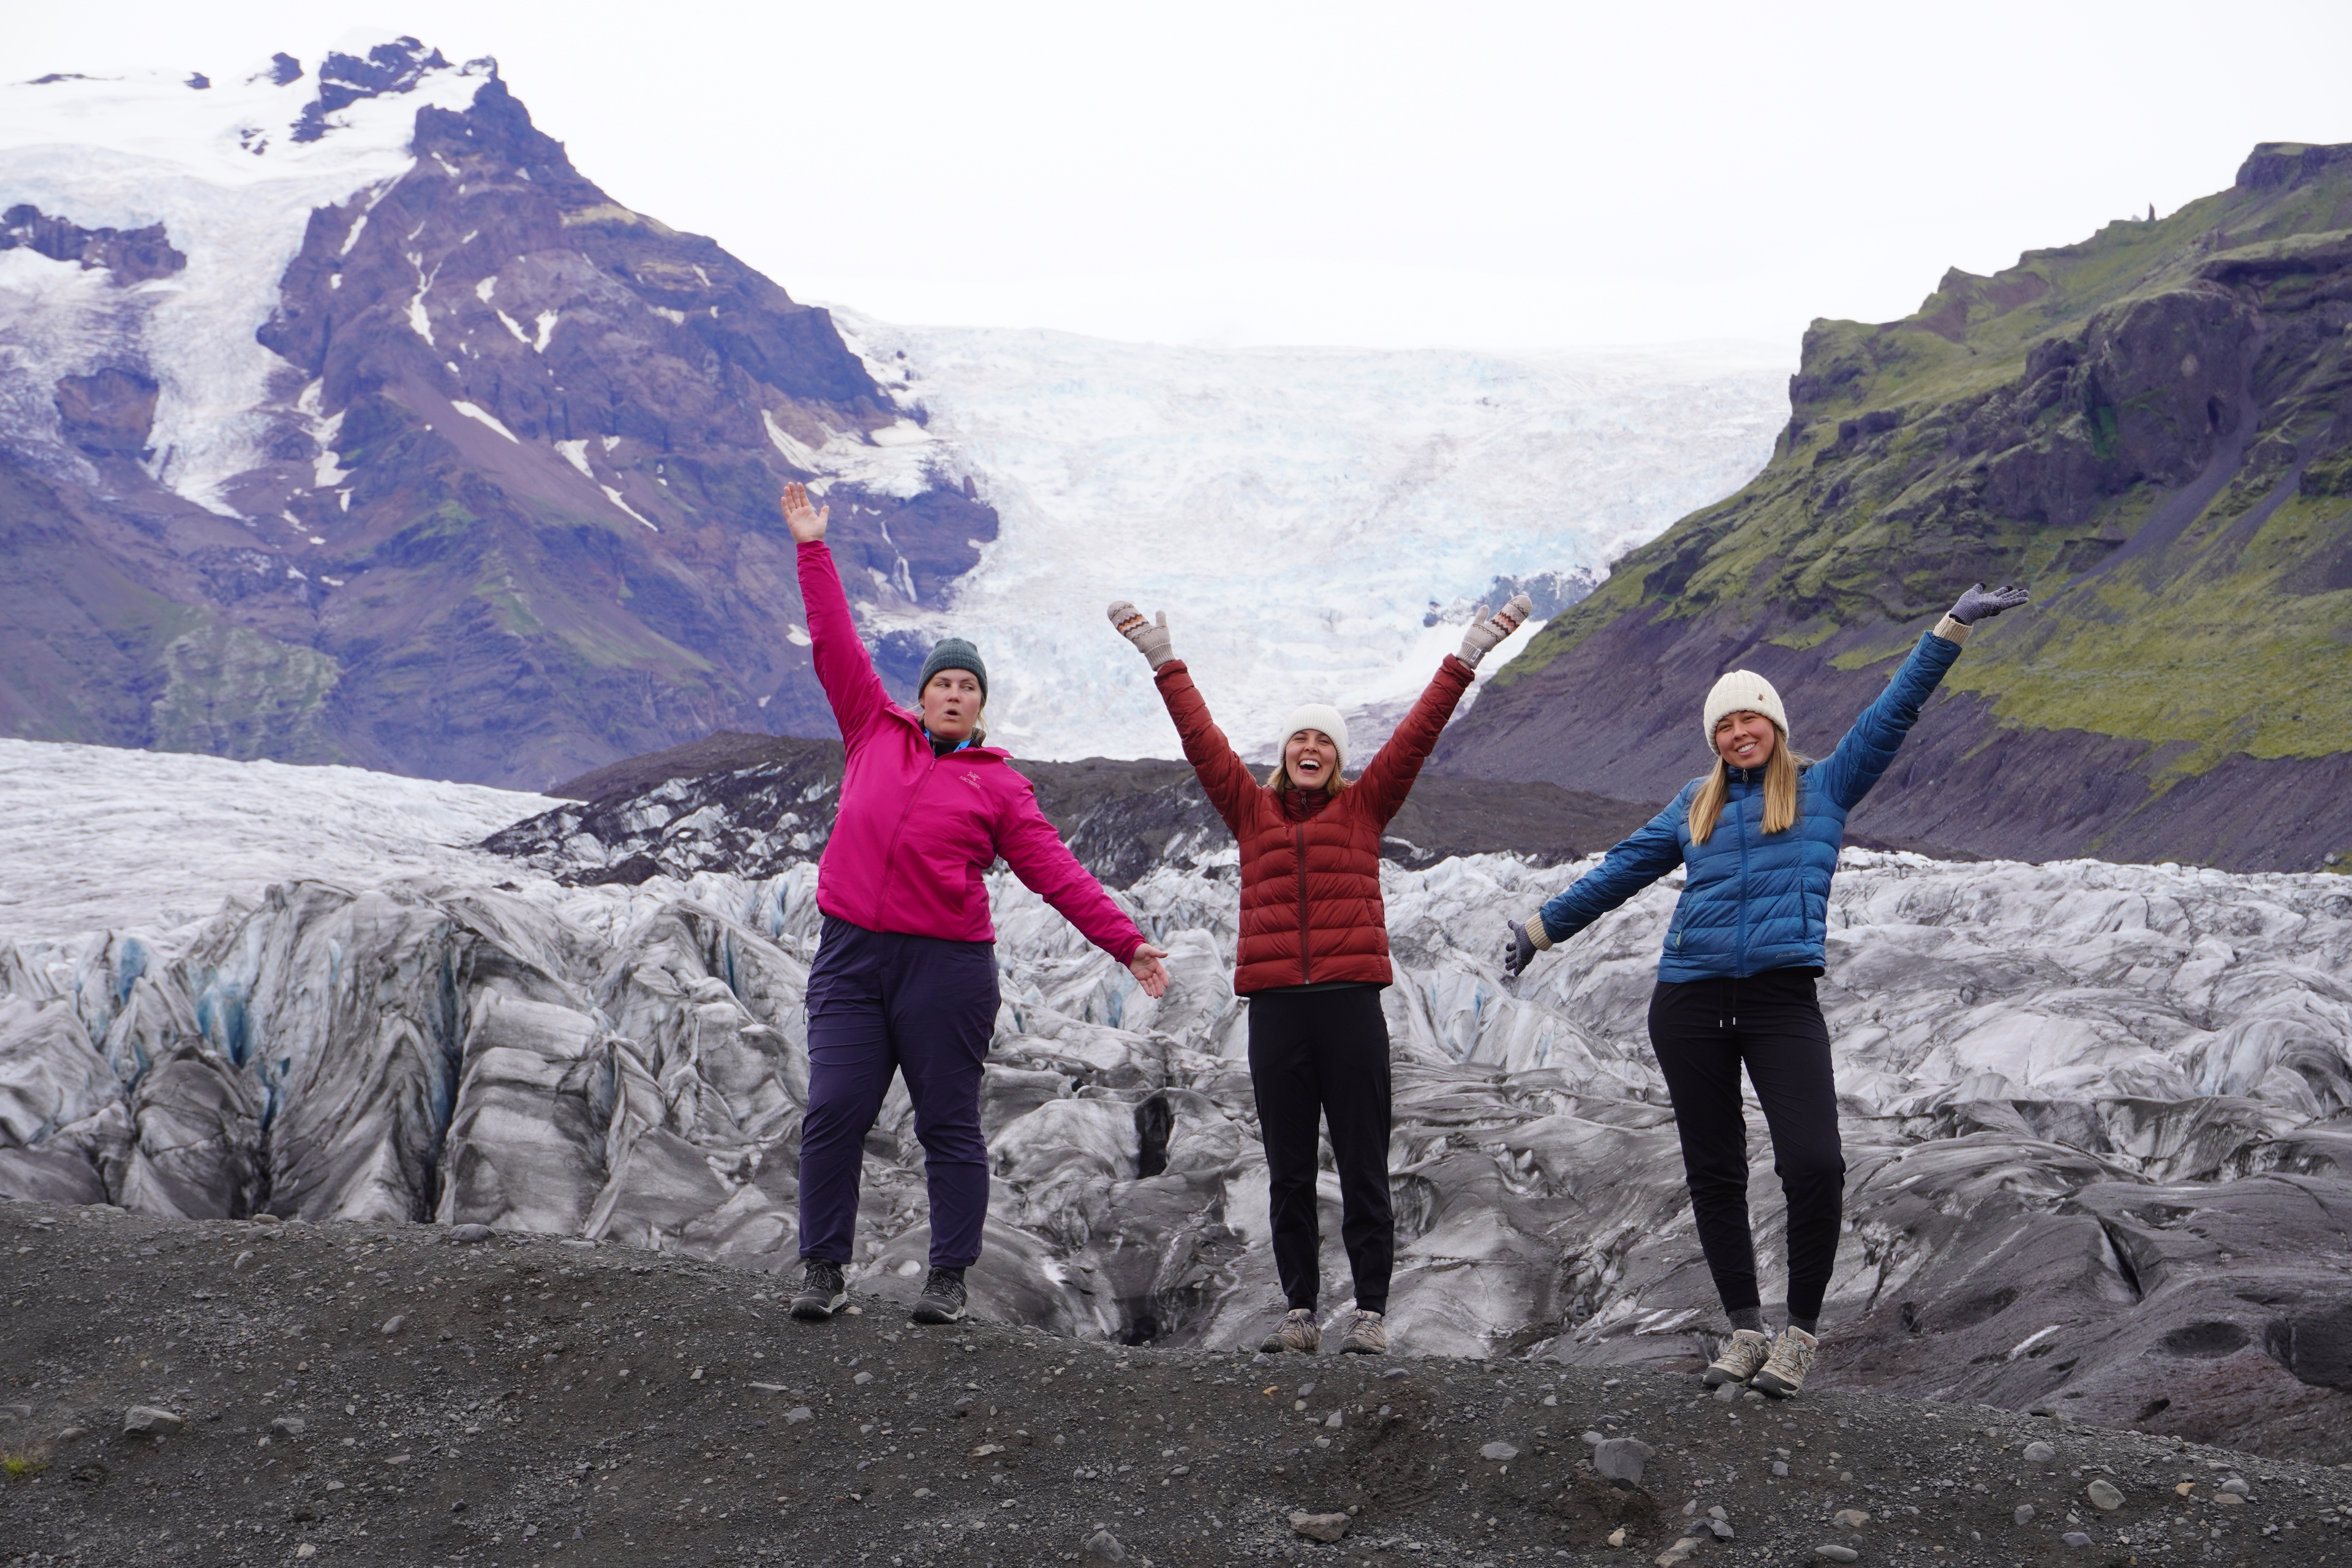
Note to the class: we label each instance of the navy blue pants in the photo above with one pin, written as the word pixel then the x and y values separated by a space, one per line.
pixel 881 1003
pixel 1704 1031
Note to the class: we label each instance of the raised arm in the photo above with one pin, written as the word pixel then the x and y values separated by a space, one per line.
pixel 842 666
pixel 1655 849
pixel 1847 775
pixel 1389 777
pixel 1223 776
pixel 1046 868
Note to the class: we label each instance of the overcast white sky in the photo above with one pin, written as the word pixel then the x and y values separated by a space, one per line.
pixel 1496 175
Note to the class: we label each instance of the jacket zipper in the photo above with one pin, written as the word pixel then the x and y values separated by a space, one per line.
pixel 1739 954
pixel 1298 836
pixel 890 857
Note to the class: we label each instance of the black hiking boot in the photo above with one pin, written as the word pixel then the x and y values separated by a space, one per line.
pixel 942 1300
pixel 821 1293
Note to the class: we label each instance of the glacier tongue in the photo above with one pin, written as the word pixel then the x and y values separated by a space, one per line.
pixel 2090 1098
pixel 1299 514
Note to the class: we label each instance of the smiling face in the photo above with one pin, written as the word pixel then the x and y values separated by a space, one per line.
pixel 1745 739
pixel 951 702
pixel 1311 758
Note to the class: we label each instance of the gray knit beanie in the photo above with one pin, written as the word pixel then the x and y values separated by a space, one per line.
pixel 953 653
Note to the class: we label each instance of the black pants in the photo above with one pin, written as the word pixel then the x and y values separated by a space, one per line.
pixel 1703 1030
pixel 1317 1056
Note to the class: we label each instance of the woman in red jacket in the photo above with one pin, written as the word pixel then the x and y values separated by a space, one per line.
pixel 905 977
pixel 1313 958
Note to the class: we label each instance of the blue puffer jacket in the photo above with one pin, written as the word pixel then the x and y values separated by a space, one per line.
pixel 1753 901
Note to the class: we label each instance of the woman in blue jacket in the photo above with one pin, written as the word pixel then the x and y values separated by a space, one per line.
pixel 1756 838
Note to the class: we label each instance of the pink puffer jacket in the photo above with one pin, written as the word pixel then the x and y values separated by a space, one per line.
pixel 915 833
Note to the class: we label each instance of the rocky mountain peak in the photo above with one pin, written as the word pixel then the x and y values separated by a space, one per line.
pixel 385 68
pixel 491 492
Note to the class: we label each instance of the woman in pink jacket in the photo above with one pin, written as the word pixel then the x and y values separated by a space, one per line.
pixel 905 979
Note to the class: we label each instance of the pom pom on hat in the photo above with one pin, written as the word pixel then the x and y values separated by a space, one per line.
pixel 1742 691
pixel 1315 716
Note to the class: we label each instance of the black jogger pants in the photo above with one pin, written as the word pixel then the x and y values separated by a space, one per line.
pixel 1703 1030
pixel 1319 1056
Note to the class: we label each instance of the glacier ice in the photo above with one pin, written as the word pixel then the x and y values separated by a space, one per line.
pixel 2111 1098
pixel 1299 513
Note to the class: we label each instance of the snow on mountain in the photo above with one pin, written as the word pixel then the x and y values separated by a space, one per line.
pixel 2094 1115
pixel 1301 514
pixel 231 166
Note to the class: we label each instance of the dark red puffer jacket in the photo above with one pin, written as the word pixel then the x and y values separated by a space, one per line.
pixel 1311 909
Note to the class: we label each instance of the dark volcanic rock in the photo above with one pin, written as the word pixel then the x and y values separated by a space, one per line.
pixel 2152 429
pixel 131 254
pixel 755 805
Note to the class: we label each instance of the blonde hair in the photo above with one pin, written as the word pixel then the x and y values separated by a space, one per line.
pixel 1779 792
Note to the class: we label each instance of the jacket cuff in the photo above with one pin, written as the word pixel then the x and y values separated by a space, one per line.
pixel 1537 935
pixel 1952 630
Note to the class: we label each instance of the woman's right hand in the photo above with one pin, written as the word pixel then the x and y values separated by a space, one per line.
pixel 1518 951
pixel 806 521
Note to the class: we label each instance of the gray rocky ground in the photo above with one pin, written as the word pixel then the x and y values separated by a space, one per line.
pixel 382 1392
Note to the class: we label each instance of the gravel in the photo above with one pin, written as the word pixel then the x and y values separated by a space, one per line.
pixel 539 1407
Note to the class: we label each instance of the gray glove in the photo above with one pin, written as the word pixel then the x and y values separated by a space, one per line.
pixel 1486 630
pixel 1152 637
pixel 1518 951
pixel 1977 605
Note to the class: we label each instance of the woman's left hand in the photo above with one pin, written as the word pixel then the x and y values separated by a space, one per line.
pixel 1149 972
pixel 1486 631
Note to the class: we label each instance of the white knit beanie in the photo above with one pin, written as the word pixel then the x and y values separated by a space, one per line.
pixel 1315 716
pixel 1742 692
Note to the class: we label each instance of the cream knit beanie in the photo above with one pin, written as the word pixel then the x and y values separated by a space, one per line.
pixel 1743 690
pixel 1315 716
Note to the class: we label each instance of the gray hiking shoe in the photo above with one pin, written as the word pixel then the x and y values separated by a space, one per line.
pixel 1297 1331
pixel 1743 1356
pixel 1792 1357
pixel 1366 1335
pixel 822 1291
pixel 942 1300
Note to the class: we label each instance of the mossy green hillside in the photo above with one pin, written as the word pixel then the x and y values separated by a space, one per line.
pixel 2153 428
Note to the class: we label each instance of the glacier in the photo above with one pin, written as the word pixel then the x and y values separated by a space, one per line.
pixel 2095 1115
pixel 1318 523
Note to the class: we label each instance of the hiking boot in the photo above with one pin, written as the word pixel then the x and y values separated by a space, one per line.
pixel 942 1298
pixel 1792 1357
pixel 1297 1331
pixel 822 1291
pixel 1366 1334
pixel 1743 1356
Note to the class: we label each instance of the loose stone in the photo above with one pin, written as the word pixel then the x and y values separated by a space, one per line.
pixel 1622 1458
pixel 2103 1495
pixel 1320 1526
pixel 1501 1453
pixel 1837 1553
pixel 149 1420
pixel 2040 1453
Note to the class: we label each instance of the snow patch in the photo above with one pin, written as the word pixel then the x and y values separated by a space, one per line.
pixel 474 412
